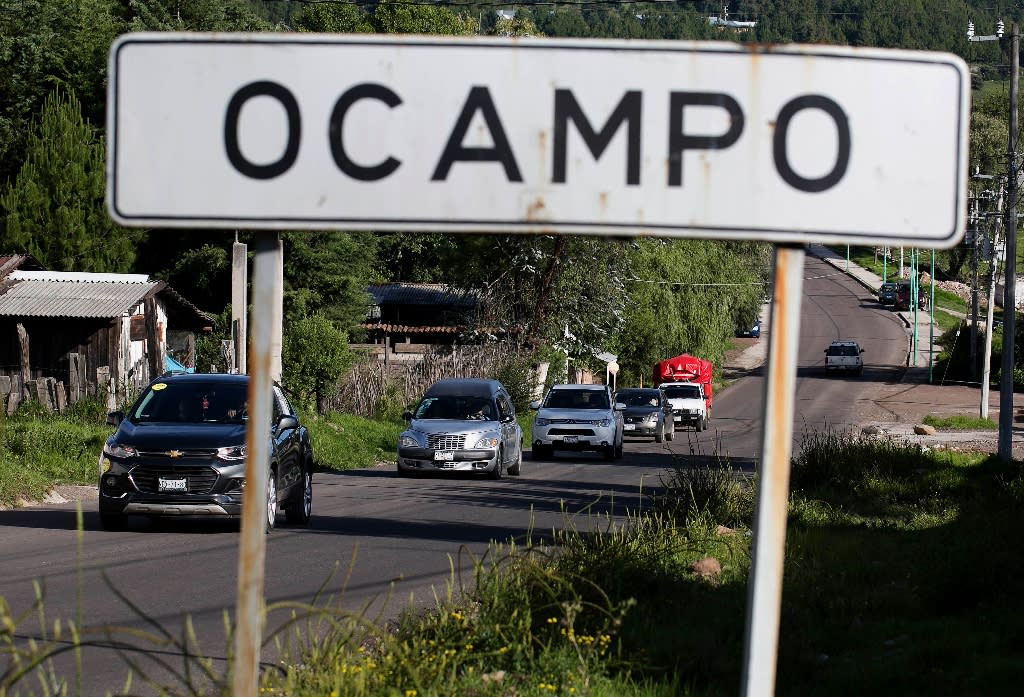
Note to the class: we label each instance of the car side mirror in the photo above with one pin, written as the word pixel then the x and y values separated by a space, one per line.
pixel 407 415
pixel 287 421
pixel 619 406
pixel 862 350
pixel 535 404
pixel 115 418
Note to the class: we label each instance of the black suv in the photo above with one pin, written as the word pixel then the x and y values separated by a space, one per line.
pixel 180 451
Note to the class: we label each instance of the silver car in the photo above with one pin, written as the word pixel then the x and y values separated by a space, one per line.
pixel 462 425
pixel 578 417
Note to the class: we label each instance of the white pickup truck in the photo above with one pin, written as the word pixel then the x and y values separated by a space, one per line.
pixel 688 405
pixel 844 355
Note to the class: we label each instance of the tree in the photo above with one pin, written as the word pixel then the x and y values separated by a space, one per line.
pixel 326 274
pixel 687 296
pixel 314 357
pixel 55 206
pixel 44 44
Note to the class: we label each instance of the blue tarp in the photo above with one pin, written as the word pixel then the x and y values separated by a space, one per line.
pixel 172 366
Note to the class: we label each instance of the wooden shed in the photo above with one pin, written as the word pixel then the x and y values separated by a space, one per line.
pixel 99 334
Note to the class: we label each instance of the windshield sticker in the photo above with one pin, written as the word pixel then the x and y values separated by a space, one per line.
pixel 159 386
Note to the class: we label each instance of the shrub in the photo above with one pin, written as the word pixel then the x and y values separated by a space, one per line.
pixel 710 488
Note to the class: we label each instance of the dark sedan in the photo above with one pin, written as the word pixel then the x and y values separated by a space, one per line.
pixel 180 450
pixel 648 414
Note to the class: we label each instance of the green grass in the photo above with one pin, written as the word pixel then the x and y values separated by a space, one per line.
pixel 344 441
pixel 37 452
pixel 960 423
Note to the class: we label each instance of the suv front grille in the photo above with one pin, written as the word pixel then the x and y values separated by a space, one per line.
pixel 446 441
pixel 571 431
pixel 198 480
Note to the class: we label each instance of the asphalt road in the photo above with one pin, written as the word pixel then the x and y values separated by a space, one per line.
pixel 377 541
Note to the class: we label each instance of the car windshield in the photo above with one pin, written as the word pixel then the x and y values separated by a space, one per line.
pixel 577 399
pixel 645 398
pixel 842 351
pixel 455 407
pixel 682 392
pixel 192 402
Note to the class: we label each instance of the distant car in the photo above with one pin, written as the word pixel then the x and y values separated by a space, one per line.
pixel 754 330
pixel 578 418
pixel 903 297
pixel 887 293
pixel 648 414
pixel 462 425
pixel 844 355
pixel 179 450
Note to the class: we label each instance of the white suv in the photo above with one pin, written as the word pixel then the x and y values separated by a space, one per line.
pixel 578 417
pixel 844 355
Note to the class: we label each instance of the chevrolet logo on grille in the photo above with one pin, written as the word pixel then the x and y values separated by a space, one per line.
pixel 174 453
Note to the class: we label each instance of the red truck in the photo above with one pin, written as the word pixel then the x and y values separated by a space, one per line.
pixel 686 368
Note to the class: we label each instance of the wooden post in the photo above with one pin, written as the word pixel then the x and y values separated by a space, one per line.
pixel 154 347
pixel 5 390
pixel 105 387
pixel 60 395
pixel 26 373
pixel 74 385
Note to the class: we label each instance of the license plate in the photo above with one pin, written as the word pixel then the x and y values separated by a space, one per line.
pixel 570 439
pixel 629 427
pixel 444 455
pixel 171 485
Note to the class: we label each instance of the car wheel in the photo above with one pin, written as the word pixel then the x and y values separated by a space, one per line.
pixel 671 435
pixel 112 521
pixel 659 437
pixel 496 474
pixel 516 469
pixel 300 511
pixel 609 452
pixel 271 500
pixel 618 450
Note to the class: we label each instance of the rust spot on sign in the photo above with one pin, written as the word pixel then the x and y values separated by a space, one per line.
pixel 535 208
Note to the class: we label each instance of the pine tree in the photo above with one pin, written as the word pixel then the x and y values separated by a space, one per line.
pixel 55 207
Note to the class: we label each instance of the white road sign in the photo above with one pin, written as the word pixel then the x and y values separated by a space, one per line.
pixel 717 140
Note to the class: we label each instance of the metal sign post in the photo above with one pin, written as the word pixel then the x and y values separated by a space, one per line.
pixel 252 541
pixel 765 590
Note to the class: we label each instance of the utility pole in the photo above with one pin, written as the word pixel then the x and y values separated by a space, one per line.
pixel 986 366
pixel 1010 284
pixel 974 231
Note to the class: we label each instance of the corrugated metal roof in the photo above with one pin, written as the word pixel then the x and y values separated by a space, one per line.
pixel 421 294
pixel 45 297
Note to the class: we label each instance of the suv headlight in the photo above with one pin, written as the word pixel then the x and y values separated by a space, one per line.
pixel 651 418
pixel 407 441
pixel 231 453
pixel 542 422
pixel 118 450
pixel 488 441
pixel 604 423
